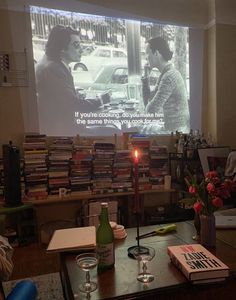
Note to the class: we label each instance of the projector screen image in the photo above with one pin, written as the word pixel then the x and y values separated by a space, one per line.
pixel 100 75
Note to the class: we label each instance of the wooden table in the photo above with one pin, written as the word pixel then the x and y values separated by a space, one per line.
pixel 169 283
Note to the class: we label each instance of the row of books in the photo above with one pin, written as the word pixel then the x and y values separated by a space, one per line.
pixel 97 168
pixel 153 161
pixel 35 165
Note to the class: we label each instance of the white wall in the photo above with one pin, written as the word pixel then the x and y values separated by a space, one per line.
pixel 18 105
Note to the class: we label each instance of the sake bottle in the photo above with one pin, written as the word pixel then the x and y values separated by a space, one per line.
pixel 105 241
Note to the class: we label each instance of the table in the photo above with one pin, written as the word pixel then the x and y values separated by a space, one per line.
pixel 169 283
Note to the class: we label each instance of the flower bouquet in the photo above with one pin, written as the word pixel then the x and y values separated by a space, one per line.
pixel 205 197
pixel 209 194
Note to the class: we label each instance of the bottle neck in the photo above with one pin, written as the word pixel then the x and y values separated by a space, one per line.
pixel 104 216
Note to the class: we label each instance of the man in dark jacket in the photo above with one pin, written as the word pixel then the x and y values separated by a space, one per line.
pixel 58 101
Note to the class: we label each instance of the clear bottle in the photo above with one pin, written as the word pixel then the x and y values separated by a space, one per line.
pixel 105 241
pixel 191 145
pixel 181 144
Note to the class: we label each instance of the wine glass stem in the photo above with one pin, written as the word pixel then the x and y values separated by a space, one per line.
pixel 144 267
pixel 87 277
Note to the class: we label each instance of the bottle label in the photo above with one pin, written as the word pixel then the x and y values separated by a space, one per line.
pixel 105 254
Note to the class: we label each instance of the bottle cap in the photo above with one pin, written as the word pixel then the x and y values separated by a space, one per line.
pixel 104 204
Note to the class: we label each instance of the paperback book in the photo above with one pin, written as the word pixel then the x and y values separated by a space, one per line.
pixel 73 239
pixel 197 263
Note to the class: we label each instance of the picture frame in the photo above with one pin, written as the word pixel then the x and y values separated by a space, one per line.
pixel 214 158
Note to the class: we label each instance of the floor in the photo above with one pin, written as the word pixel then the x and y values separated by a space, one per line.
pixel 33 260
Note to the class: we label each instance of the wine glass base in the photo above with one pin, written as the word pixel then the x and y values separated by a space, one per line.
pixel 145 277
pixel 88 287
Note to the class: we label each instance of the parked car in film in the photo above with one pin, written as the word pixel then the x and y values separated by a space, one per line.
pixel 100 55
pixel 111 77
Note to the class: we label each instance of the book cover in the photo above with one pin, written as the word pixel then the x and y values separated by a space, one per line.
pixel 197 263
pixel 73 239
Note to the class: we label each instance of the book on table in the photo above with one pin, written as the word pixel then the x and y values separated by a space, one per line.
pixel 72 239
pixel 197 263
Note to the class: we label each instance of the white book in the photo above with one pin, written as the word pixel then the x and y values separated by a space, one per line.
pixel 71 239
pixel 225 222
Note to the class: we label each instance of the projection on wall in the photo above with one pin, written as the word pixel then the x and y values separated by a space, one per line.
pixel 106 78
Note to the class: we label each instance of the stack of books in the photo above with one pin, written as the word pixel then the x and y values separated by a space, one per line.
pixel 159 166
pixel 60 154
pixel 198 264
pixel 35 165
pixel 122 171
pixel 103 158
pixel 81 170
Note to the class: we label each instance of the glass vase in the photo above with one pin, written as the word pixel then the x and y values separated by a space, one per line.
pixel 208 231
pixel 197 226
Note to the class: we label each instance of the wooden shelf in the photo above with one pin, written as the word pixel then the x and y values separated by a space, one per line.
pixel 81 197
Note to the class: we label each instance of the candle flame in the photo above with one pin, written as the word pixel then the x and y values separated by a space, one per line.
pixel 136 154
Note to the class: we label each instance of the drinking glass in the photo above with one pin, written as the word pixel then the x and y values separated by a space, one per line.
pixel 144 254
pixel 87 262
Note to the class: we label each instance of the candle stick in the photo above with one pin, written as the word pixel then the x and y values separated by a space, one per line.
pixel 136 183
pixel 136 193
pixel 133 250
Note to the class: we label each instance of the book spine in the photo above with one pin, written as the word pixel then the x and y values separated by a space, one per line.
pixel 178 264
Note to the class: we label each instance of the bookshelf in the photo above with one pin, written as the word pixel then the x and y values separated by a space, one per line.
pixel 70 207
pixel 87 172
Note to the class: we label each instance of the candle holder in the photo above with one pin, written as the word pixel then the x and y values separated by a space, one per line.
pixel 133 251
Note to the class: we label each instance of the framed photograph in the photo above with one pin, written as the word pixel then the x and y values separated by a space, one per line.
pixel 214 159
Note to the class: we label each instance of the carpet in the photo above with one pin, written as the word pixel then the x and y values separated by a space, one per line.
pixel 48 286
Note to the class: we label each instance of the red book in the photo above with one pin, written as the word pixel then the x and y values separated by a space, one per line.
pixel 197 263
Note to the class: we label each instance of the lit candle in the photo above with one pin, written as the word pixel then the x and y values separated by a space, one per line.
pixel 136 156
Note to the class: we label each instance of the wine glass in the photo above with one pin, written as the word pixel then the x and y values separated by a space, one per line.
pixel 87 262
pixel 144 254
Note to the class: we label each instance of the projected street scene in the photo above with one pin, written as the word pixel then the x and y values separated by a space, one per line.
pixel 103 75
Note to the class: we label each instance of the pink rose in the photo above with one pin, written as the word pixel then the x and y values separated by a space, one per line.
pixel 192 189
pixel 217 202
pixel 197 206
pixel 210 188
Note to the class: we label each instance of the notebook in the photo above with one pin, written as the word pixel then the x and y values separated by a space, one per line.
pixel 225 222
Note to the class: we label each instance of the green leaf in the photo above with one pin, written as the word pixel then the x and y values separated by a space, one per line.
pixel 188 201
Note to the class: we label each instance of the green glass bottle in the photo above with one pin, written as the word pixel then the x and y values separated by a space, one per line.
pixel 105 241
